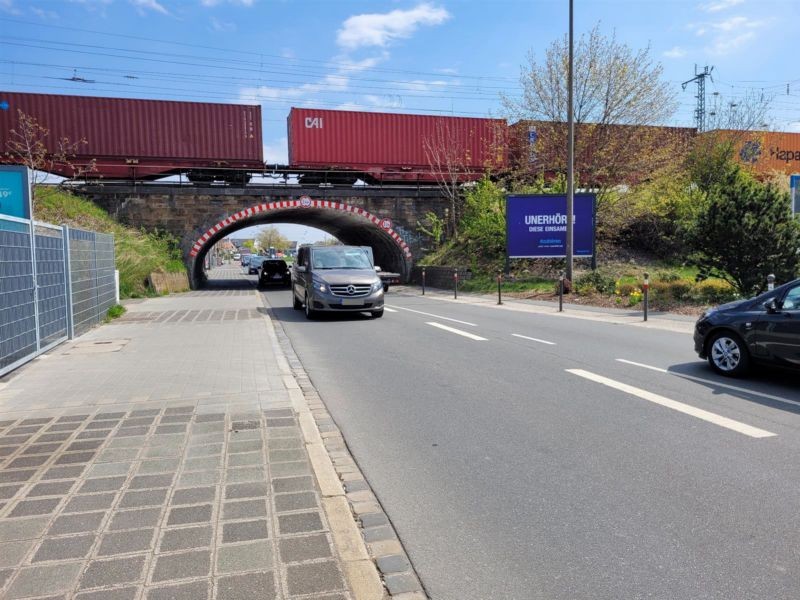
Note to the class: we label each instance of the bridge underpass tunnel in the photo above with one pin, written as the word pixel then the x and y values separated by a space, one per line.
pixel 348 226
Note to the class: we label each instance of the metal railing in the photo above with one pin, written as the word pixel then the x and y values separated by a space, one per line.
pixel 54 285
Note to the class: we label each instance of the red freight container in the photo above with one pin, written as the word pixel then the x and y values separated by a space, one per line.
pixel 142 138
pixel 392 147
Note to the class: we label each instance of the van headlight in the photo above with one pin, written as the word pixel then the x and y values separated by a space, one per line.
pixel 377 286
pixel 319 286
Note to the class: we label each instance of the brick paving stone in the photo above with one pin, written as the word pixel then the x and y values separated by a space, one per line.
pixel 117 455
pixel 203 463
pixel 189 514
pixel 281 422
pixel 283 412
pixel 29 508
pixel 373 520
pixel 196 590
pixel 131 431
pixel 196 563
pixel 401 583
pixel 111 572
pixel 210 417
pixel 36 421
pixel 245 557
pixel 174 440
pixel 179 410
pixel 71 418
pixel 284 443
pixel 79 523
pixel 84 445
pixel 126 542
pixel 12 553
pixel 14 440
pixel 22 529
pixel 396 563
pixel 127 442
pixel 135 519
pixel 206 450
pixel 139 498
pixel 309 547
pixel 92 434
pixel 109 469
pixel 163 465
pixel 204 439
pixel 106 484
pixel 246 587
pixel 126 593
pixel 276 456
pixel 52 488
pixel 64 547
pixel 137 422
pixel 246 490
pixel 314 578
pixel 245 474
pixel 8 491
pixel 159 452
pixel 208 427
pixel 166 419
pixel 246 459
pixel 242 531
pixel 7 450
pixel 45 579
pixel 145 412
pixel 99 425
pixel 185 538
pixel 28 461
pixel 299 523
pixel 90 502
pixel 290 469
pixel 163 429
pixel 246 446
pixel 5 575
pixel 296 501
pixel 246 509
pixel 72 472
pixel 199 478
pixel 292 484
pixel 194 495
pixel 376 534
pixel 31 429
pixel 110 415
pixel 42 448
pixel 78 457
pixel 357 485
pixel 151 481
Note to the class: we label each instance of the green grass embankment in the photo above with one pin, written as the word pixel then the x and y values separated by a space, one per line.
pixel 138 253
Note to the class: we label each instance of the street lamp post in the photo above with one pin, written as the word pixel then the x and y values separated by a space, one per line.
pixel 570 154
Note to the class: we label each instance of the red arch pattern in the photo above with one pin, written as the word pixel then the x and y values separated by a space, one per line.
pixel 298 204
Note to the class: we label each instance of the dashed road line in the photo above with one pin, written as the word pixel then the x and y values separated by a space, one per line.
pixel 387 309
pixel 533 339
pixel 644 366
pixel 436 316
pixel 699 413
pixel 466 334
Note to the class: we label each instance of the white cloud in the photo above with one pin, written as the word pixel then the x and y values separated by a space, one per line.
pixel 222 26
pixel 210 3
pixel 421 85
pixel 726 44
pixel 675 52
pixel 381 29
pixel 7 6
pixel 153 5
pixel 730 34
pixel 718 5
pixel 277 152
pixel 44 14
pixel 793 127
pixel 447 71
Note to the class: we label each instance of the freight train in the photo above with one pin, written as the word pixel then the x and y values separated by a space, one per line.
pixel 127 139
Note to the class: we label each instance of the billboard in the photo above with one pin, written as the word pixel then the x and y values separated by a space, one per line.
pixel 536 225
pixel 794 183
pixel 15 192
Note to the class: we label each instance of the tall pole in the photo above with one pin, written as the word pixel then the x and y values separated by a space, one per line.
pixel 570 154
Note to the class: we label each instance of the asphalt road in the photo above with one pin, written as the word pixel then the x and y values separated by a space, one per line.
pixel 545 467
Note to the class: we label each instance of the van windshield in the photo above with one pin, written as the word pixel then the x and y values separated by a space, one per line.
pixel 340 257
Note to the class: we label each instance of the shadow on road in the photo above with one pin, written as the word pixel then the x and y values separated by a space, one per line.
pixel 279 300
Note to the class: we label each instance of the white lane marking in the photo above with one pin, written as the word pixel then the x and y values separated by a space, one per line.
pixel 436 316
pixel 525 337
pixel 699 413
pixel 466 334
pixel 644 366
pixel 387 309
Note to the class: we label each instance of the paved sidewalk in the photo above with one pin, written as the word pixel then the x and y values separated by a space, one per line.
pixel 166 456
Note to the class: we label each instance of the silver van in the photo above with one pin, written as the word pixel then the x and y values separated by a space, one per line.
pixel 336 279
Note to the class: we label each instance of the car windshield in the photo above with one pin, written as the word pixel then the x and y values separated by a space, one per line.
pixel 340 258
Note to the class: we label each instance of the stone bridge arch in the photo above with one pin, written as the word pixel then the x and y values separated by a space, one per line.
pixel 350 224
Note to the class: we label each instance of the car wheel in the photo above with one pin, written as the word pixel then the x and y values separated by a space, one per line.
pixel 377 314
pixel 296 304
pixel 385 287
pixel 728 355
pixel 310 312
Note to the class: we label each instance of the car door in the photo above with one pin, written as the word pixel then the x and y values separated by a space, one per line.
pixel 299 279
pixel 778 332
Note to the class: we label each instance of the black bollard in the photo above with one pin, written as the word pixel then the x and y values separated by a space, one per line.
pixel 423 281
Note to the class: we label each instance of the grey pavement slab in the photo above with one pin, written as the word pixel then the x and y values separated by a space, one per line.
pixel 155 473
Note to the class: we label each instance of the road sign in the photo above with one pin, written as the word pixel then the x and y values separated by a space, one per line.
pixel 532 136
pixel 536 226
pixel 386 224
pixel 305 201
pixel 15 192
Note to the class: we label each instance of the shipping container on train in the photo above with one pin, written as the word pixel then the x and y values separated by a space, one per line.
pixel 767 152
pixel 144 139
pixel 384 147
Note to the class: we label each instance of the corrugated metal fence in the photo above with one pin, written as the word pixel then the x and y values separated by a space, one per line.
pixel 73 271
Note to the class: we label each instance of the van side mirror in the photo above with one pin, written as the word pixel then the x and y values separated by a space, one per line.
pixel 300 268
pixel 771 306
pixel 377 269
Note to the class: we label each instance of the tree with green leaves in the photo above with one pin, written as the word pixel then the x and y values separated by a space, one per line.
pixel 746 231
pixel 270 237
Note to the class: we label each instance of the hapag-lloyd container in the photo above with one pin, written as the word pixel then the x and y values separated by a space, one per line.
pixel 141 138
pixel 394 147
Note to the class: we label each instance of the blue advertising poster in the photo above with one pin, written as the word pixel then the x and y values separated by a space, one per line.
pixel 536 226
pixel 794 184
pixel 14 192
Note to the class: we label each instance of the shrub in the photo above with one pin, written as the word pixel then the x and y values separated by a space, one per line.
pixel 712 291
pixel 625 289
pixel 670 290
pixel 666 276
pixel 594 281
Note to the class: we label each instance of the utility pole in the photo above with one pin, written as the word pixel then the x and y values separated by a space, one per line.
pixel 570 154
pixel 700 80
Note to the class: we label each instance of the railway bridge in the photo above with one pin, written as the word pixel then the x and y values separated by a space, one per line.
pixel 382 217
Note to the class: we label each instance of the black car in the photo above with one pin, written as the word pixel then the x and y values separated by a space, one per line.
pixel 274 271
pixel 254 264
pixel 764 329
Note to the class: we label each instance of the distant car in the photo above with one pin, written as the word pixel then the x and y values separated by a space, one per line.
pixel 764 329
pixel 255 264
pixel 237 256
pixel 245 259
pixel 274 271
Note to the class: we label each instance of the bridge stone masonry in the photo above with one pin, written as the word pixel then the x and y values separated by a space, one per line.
pixel 384 218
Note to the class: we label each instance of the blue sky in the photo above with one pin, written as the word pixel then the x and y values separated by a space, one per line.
pixel 446 57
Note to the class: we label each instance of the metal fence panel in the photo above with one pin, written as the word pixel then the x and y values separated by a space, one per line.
pixel 92 275
pixel 17 307
pixel 106 284
pixel 51 284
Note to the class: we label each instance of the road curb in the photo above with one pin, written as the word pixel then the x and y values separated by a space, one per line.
pixel 376 564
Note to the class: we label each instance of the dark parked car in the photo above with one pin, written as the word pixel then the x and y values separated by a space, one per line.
pixel 274 271
pixel 255 264
pixel 764 329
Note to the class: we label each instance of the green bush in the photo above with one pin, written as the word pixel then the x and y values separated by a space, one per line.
pixel 625 289
pixel 115 312
pixel 595 282
pixel 666 276
pixel 676 290
pixel 712 291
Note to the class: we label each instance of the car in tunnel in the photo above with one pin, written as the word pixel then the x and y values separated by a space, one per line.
pixel 254 264
pixel 274 271
pixel 335 279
